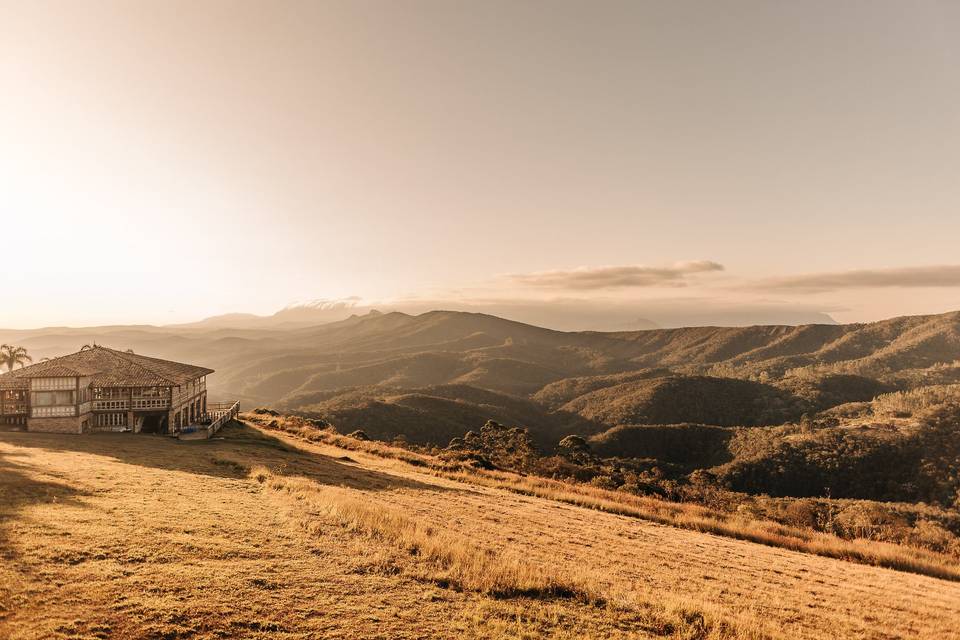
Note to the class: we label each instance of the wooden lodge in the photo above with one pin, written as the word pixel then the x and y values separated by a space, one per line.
pixel 101 389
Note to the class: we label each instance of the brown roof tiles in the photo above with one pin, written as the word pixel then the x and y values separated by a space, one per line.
pixel 108 368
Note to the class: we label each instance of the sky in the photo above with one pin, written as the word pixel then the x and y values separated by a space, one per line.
pixel 675 162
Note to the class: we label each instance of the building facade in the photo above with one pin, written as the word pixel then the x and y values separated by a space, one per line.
pixel 101 389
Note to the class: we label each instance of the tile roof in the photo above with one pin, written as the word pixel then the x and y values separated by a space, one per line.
pixel 108 368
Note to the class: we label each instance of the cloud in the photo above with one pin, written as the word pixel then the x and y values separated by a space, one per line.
pixel 615 277
pixel 914 277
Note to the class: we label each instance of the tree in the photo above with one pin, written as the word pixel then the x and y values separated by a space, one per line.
pixel 574 443
pixel 12 356
pixel 576 449
pixel 499 446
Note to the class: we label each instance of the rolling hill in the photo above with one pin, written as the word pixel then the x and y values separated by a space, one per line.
pixel 703 399
pixel 734 376
pixel 257 534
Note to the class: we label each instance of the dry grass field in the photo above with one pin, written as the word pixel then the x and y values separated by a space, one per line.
pixel 265 536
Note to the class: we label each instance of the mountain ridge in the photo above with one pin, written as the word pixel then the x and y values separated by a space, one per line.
pixel 456 349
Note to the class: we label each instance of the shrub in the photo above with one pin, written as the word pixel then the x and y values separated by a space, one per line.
pixel 868 520
pixel 500 446
pixel 604 482
pixel 576 449
pixel 803 513
pixel 933 535
pixel 574 443
pixel 562 468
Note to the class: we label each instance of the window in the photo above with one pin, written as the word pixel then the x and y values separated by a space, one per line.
pixel 52 398
pixel 111 419
pixel 52 384
pixel 111 393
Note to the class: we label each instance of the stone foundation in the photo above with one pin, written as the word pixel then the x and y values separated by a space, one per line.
pixel 54 425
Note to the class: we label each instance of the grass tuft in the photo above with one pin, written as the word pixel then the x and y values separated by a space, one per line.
pixel 450 560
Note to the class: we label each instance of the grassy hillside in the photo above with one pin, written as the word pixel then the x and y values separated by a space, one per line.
pixel 262 535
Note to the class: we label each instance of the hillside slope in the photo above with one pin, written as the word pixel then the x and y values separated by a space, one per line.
pixel 672 399
pixel 437 414
pixel 131 530
pixel 583 382
pixel 267 365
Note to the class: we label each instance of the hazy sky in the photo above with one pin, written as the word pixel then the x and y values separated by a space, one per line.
pixel 163 161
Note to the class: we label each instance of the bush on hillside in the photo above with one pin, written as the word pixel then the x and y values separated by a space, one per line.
pixel 575 449
pixel 501 446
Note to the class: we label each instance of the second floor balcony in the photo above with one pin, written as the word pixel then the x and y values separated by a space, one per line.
pixel 134 404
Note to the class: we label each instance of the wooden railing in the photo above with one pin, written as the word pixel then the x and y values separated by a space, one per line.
pixel 151 403
pixel 219 414
pixel 139 404
pixel 14 409
pixel 121 404
pixel 223 416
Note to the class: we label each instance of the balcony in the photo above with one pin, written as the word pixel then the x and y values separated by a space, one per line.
pixel 111 405
pixel 14 409
pixel 138 404
pixel 150 404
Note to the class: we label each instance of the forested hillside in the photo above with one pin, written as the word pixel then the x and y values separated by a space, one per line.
pixel 444 370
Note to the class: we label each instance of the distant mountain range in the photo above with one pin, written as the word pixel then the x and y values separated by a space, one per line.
pixel 565 315
pixel 434 375
pixel 295 315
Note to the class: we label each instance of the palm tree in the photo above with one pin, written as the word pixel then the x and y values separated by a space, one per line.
pixel 12 356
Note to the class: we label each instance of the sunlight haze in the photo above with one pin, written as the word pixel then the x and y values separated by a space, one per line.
pixel 684 162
